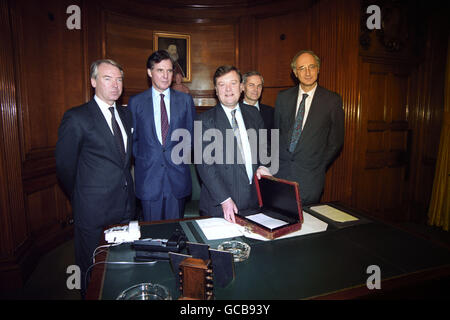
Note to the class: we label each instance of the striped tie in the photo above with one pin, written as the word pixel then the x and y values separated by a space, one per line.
pixel 164 121
pixel 237 134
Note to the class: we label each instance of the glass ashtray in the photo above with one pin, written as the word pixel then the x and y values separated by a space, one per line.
pixel 145 291
pixel 240 250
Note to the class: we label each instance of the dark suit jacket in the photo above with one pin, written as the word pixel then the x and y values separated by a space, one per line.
pixel 321 140
pixel 91 170
pixel 153 163
pixel 221 180
pixel 267 113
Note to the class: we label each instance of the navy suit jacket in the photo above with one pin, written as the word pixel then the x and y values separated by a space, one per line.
pixel 91 170
pixel 267 113
pixel 321 139
pixel 153 162
pixel 223 180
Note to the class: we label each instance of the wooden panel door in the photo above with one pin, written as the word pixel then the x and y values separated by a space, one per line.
pixel 383 140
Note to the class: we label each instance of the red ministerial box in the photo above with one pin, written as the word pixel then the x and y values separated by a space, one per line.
pixel 278 199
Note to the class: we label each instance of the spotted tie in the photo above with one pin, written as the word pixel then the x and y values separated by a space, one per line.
pixel 298 124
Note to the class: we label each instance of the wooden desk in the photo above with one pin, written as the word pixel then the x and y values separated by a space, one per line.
pixel 328 265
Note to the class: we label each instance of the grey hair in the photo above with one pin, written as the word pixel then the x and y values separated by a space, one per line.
pixel 294 60
pixel 96 64
pixel 252 73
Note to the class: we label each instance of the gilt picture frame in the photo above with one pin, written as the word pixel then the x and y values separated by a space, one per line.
pixel 179 47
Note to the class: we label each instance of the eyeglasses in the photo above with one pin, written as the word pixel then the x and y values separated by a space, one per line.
pixel 311 67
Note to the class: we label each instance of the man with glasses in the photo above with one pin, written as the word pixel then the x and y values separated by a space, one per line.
pixel 311 123
pixel 161 184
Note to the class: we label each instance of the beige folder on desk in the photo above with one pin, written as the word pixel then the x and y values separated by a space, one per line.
pixel 333 213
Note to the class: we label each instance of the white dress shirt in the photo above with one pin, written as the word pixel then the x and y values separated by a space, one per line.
pixel 255 105
pixel 156 96
pixel 244 139
pixel 307 102
pixel 104 108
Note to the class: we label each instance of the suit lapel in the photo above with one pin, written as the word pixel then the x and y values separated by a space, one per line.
pixel 150 115
pixel 101 126
pixel 313 114
pixel 291 108
pixel 223 124
pixel 221 120
pixel 250 124
pixel 247 118
pixel 174 112
pixel 126 126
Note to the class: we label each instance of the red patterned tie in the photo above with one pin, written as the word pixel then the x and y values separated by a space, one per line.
pixel 164 120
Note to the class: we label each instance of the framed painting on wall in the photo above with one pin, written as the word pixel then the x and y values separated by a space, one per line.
pixel 178 45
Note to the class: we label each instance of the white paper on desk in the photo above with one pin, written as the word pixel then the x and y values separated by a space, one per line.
pixel 219 228
pixel 310 225
pixel 266 221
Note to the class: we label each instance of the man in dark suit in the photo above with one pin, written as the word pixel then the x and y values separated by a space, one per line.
pixel 311 123
pixel 227 181
pixel 161 184
pixel 93 160
pixel 253 83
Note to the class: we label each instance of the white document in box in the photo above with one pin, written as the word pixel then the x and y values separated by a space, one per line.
pixel 219 228
pixel 266 221
pixel 310 225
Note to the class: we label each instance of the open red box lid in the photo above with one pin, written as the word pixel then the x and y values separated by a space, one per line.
pixel 280 196
pixel 279 199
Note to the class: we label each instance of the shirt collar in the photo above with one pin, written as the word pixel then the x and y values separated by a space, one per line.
pixel 255 105
pixel 156 93
pixel 228 110
pixel 102 104
pixel 309 93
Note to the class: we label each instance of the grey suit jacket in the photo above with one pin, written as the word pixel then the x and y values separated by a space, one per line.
pixel 320 142
pixel 221 180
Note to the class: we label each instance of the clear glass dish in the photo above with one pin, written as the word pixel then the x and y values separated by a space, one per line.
pixel 240 250
pixel 145 291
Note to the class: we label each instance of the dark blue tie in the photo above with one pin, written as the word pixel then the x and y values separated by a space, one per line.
pixel 298 124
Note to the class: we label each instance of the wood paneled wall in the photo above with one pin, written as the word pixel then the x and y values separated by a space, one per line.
pixel 400 106
pixel 129 40
pixel 43 73
pixel 13 230
pixel 44 69
pixel 426 113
